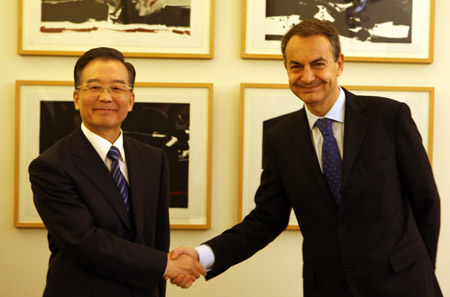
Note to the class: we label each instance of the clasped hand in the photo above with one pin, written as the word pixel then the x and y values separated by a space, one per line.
pixel 183 267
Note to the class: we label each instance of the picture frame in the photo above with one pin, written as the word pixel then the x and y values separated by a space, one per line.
pixel 378 31
pixel 143 29
pixel 261 102
pixel 187 107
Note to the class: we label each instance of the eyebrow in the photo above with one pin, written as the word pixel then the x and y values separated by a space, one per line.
pixel 114 81
pixel 320 59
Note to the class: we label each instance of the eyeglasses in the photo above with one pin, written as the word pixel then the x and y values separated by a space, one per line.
pixel 115 89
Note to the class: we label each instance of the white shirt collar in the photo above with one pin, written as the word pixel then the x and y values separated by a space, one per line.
pixel 336 113
pixel 102 145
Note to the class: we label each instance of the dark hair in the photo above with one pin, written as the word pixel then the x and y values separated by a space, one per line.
pixel 102 53
pixel 313 27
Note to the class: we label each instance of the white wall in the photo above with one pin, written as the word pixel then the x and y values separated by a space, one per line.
pixel 276 270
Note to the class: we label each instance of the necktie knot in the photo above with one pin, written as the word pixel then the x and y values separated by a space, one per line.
pixel 113 153
pixel 324 126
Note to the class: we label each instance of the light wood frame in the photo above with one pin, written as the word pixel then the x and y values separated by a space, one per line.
pixel 29 94
pixel 420 51
pixel 260 102
pixel 195 42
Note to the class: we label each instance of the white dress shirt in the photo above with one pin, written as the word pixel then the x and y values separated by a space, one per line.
pixel 337 114
pixel 102 147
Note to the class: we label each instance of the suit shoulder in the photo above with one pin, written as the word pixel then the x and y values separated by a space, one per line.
pixel 56 157
pixel 374 105
pixel 59 149
pixel 378 102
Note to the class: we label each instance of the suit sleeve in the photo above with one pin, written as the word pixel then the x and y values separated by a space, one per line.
pixel 74 231
pixel 162 212
pixel 162 242
pixel 264 223
pixel 418 181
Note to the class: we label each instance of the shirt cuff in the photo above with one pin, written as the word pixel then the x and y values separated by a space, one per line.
pixel 206 256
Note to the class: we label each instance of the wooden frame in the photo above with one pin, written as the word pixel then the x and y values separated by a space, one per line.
pixel 261 102
pixel 189 155
pixel 51 34
pixel 414 42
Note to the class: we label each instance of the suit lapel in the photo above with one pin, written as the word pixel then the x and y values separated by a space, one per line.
pixel 90 164
pixel 301 136
pixel 354 132
pixel 137 182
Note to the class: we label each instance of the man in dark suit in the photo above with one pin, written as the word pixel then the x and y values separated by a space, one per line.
pixel 370 222
pixel 108 231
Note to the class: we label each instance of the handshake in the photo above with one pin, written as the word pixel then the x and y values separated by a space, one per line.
pixel 183 267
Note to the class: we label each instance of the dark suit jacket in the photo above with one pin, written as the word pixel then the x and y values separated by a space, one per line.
pixel 382 238
pixel 97 248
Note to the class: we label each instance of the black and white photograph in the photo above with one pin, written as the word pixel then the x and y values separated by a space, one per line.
pixel 162 125
pixel 386 21
pixel 165 13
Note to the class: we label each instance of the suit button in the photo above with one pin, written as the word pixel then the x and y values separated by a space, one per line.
pixel 349 268
pixel 342 228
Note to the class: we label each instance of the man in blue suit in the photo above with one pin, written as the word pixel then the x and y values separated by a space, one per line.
pixel 362 190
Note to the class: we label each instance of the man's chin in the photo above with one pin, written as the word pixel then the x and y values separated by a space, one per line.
pixel 309 97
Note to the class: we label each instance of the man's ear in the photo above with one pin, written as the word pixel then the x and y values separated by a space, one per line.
pixel 76 98
pixel 340 64
pixel 130 106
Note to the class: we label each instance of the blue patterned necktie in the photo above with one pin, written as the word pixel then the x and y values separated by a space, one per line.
pixel 121 182
pixel 331 159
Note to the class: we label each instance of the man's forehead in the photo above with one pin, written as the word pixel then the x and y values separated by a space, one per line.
pixel 99 62
pixel 302 49
pixel 94 67
pixel 314 41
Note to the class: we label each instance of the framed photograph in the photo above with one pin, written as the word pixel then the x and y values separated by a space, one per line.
pixel 176 117
pixel 370 31
pixel 262 105
pixel 138 28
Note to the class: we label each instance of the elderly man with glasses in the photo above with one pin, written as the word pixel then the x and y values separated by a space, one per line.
pixel 103 196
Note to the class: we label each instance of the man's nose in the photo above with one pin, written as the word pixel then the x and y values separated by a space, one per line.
pixel 307 75
pixel 105 94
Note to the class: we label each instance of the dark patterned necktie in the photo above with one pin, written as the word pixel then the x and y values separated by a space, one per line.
pixel 331 159
pixel 121 182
